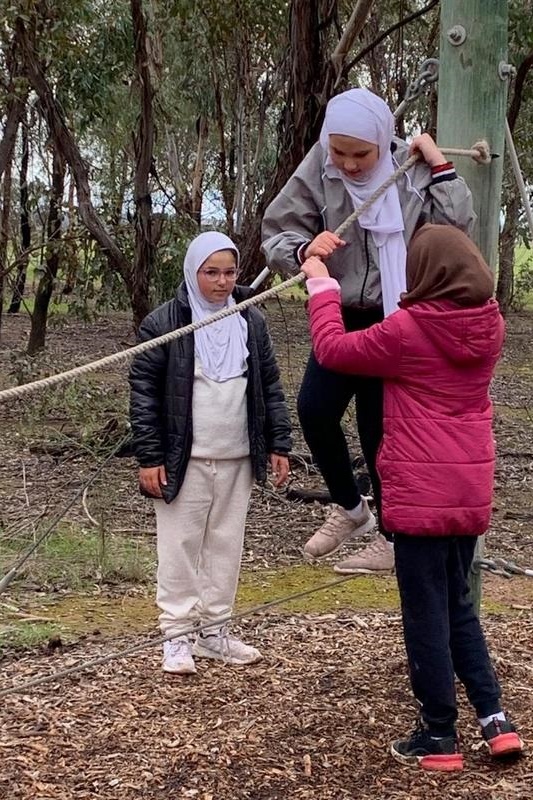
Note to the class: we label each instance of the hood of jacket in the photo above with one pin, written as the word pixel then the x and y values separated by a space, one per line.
pixel 462 335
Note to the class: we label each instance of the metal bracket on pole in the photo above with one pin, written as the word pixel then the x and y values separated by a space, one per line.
pixel 506 71
pixel 456 35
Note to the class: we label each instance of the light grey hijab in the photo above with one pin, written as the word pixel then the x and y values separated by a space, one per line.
pixel 363 115
pixel 221 346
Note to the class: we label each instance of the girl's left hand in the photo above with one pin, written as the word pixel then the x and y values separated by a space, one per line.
pixel 429 151
pixel 315 268
pixel 280 469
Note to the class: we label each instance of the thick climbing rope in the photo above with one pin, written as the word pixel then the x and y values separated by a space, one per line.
pixel 138 648
pixel 480 151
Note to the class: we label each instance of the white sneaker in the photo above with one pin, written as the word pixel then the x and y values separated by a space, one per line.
pixel 223 647
pixel 177 656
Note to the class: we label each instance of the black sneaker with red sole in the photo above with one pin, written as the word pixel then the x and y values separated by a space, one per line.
pixel 427 752
pixel 502 739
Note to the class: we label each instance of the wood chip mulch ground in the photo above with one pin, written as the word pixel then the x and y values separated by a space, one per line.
pixel 313 720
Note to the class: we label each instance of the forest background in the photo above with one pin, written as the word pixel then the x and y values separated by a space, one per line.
pixel 129 125
pixel 126 127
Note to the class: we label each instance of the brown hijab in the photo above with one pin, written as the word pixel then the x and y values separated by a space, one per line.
pixel 444 264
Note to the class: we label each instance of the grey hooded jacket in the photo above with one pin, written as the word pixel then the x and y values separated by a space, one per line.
pixel 310 203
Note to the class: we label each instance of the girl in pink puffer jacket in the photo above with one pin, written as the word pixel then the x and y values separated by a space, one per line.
pixel 437 354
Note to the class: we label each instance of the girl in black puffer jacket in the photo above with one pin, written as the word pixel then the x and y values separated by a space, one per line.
pixel 207 413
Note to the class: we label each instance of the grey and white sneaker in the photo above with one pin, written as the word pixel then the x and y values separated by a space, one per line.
pixel 177 656
pixel 221 646
pixel 376 557
pixel 337 529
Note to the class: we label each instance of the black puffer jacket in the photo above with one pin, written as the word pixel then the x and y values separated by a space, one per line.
pixel 161 382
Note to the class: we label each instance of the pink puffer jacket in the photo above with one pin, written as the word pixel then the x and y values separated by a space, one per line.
pixel 436 460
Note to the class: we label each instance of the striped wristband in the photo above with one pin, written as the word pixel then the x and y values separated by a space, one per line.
pixel 443 172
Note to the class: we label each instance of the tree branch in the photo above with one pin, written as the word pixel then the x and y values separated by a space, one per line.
pixel 386 33
pixel 70 151
pixel 353 28
pixel 516 102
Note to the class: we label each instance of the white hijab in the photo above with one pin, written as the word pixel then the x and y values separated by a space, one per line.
pixel 221 346
pixel 363 115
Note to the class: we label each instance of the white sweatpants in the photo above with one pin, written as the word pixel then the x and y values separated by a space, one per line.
pixel 199 543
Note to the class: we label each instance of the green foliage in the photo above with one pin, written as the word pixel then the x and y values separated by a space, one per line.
pixel 228 63
pixel 523 282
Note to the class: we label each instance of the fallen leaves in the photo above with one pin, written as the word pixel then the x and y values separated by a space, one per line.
pixel 313 721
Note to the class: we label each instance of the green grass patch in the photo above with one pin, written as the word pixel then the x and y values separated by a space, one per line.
pixel 30 620
pixel 27 636
pixel 74 558
pixel 363 592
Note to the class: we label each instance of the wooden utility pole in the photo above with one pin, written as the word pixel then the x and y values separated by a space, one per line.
pixel 473 81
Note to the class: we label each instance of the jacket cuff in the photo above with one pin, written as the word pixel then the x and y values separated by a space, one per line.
pixel 319 285
pixel 443 172
pixel 299 253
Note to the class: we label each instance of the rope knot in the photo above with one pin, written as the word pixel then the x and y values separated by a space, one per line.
pixel 484 155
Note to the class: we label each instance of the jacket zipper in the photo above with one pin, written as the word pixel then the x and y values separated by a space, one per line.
pixel 361 301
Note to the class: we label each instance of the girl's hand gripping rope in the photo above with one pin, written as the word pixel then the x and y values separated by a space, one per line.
pixel 315 268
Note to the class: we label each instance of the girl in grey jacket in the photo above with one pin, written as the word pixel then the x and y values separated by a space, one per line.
pixel 356 153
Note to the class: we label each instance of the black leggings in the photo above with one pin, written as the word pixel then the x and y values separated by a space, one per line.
pixel 443 635
pixel 323 399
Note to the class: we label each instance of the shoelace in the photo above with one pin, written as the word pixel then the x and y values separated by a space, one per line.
pixel 179 648
pixel 334 520
pixel 223 637
pixel 376 546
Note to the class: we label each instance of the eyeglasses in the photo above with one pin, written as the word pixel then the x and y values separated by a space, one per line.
pixel 213 275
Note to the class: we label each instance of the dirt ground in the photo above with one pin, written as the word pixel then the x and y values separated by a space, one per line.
pixel 314 719
pixel 43 462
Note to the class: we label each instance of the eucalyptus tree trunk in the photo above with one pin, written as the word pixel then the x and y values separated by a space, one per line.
pixel 512 201
pixel 25 226
pixel 4 229
pixel 143 141
pixel 46 284
pixel 16 94
pixel 505 286
pixel 307 67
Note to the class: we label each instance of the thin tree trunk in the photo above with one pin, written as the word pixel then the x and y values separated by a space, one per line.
pixel 45 286
pixel 513 202
pixel 143 146
pixel 504 289
pixel 304 110
pixel 25 226
pixel 15 105
pixel 4 230
pixel 198 172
